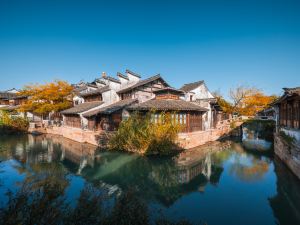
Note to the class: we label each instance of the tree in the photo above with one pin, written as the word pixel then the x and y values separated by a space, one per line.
pixel 249 100
pixel 226 106
pixel 46 98
pixel 239 94
pixel 255 103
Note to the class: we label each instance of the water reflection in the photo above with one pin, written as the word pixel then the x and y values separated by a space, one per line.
pixel 286 203
pixel 48 161
pixel 258 135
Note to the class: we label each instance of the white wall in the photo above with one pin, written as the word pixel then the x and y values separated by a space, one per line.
pixel 110 97
pixel 202 92
pixel 133 78
pixel 124 82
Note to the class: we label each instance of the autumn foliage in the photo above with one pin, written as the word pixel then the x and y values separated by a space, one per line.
pixel 255 103
pixel 245 100
pixel 46 98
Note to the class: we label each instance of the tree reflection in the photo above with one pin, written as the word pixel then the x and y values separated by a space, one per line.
pixel 47 206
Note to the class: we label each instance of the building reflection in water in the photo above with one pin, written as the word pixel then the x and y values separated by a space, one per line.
pixel 161 180
pixel 286 203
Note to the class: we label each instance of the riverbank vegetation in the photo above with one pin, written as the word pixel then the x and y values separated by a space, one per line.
pixel 146 134
pixel 10 124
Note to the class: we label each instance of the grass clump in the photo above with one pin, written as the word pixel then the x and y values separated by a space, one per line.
pixel 147 134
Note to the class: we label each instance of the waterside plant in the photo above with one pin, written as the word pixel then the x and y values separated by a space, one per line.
pixel 12 124
pixel 147 134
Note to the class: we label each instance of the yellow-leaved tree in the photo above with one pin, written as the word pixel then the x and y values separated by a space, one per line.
pixel 45 98
pixel 249 100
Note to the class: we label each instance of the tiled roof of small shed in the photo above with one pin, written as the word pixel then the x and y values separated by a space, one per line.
pixel 82 107
pixel 111 108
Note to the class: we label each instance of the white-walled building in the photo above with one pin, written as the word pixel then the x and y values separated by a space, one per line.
pixel 198 93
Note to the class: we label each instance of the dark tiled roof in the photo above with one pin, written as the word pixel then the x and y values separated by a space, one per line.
pixel 132 73
pixel 170 90
pixel 7 95
pixel 166 104
pixel 295 90
pixel 122 75
pixel 111 108
pixel 143 82
pixel 91 85
pixel 98 80
pixel 95 92
pixel 77 90
pixel 82 107
pixel 288 92
pixel 191 86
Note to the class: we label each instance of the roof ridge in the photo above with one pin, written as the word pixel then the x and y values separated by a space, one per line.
pixel 132 73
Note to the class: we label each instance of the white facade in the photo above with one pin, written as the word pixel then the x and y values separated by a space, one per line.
pixel 203 97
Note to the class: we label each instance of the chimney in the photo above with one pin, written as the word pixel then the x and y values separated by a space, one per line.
pixel 103 74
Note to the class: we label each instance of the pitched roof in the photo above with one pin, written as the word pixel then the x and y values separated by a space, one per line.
pixel 97 91
pixel 288 92
pixel 122 75
pixel 191 86
pixel 142 82
pixel 295 90
pixel 111 108
pixel 132 73
pixel 82 107
pixel 98 80
pixel 170 90
pixel 7 95
pixel 111 79
pixel 167 104
pixel 77 90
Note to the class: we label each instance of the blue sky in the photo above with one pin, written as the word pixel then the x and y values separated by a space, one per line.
pixel 224 43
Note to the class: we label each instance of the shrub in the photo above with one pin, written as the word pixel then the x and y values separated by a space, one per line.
pixel 141 134
pixel 9 124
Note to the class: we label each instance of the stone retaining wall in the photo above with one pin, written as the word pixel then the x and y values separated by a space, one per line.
pixel 194 139
pixel 76 134
pixel 288 153
pixel 99 138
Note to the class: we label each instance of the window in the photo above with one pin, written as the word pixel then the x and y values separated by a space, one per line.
pixel 191 98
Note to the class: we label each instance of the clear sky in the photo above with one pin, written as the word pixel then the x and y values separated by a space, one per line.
pixel 224 43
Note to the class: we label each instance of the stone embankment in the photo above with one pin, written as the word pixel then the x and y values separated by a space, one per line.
pixel 185 140
pixel 289 153
pixel 198 138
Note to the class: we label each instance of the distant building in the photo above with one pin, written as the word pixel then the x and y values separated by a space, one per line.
pixel 11 101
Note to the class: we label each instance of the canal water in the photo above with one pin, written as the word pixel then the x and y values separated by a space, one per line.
pixel 222 183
